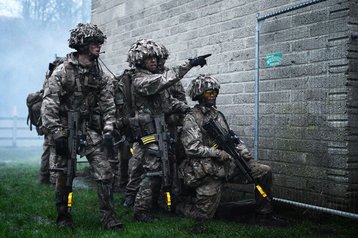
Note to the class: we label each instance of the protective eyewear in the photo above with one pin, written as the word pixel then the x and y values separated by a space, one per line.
pixel 212 93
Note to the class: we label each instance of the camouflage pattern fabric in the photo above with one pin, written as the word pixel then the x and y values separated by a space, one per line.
pixel 85 89
pixel 150 93
pixel 60 94
pixel 206 200
pixel 143 48
pixel 135 172
pixel 135 168
pixel 84 33
pixel 152 97
pixel 203 170
pixel 47 161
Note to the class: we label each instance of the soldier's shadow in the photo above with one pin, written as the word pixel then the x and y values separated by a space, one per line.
pixel 243 211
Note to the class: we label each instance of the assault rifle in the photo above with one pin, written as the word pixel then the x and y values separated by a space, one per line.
pixel 226 141
pixel 108 146
pixel 163 141
pixel 74 142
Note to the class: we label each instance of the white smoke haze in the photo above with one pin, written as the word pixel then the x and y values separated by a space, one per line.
pixel 27 47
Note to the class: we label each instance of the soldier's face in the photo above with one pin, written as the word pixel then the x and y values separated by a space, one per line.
pixel 95 49
pixel 209 98
pixel 151 64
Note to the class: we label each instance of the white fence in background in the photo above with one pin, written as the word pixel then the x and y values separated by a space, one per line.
pixel 14 132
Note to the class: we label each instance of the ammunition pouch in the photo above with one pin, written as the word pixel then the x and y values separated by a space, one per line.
pixel 193 171
pixel 139 126
pixel 174 120
pixel 95 122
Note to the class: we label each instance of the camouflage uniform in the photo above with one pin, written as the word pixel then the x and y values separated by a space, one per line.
pixel 73 87
pixel 123 110
pixel 151 98
pixel 174 120
pixel 48 159
pixel 205 170
pixel 48 156
pixel 158 103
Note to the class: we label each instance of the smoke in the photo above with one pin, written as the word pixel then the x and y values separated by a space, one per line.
pixel 26 53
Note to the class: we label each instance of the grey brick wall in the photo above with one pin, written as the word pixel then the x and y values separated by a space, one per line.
pixel 308 104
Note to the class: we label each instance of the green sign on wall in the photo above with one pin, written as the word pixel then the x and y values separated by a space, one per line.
pixel 273 59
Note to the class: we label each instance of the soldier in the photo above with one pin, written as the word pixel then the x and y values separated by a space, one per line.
pixel 79 85
pixel 174 119
pixel 152 102
pixel 206 167
pixel 124 108
pixel 48 155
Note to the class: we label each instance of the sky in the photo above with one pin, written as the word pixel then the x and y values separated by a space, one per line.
pixel 26 52
pixel 10 8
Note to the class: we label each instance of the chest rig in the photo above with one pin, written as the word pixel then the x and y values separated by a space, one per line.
pixel 82 88
pixel 203 115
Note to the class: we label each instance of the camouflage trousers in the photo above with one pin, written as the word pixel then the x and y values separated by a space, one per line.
pixel 135 172
pixel 149 187
pixel 204 203
pixel 120 166
pixel 103 175
pixel 48 158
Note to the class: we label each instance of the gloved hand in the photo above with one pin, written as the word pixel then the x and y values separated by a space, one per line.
pixel 244 152
pixel 223 156
pixel 61 145
pixel 108 128
pixel 200 60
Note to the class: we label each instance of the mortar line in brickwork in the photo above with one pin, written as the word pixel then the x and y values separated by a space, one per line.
pixel 289 9
pixel 259 21
pixel 338 38
pixel 339 10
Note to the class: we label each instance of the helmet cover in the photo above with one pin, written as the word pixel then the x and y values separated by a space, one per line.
pixel 85 33
pixel 201 84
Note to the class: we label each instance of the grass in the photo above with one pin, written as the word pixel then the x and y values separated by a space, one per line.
pixel 27 209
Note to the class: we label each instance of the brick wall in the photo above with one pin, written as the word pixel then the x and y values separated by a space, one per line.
pixel 308 105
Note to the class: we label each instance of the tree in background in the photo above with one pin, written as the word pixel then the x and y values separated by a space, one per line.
pixel 56 13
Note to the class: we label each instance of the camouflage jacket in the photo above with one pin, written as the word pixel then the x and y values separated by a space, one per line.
pixel 178 92
pixel 73 87
pixel 196 141
pixel 202 158
pixel 150 90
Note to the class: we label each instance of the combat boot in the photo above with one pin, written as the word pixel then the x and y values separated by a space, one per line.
pixel 106 207
pixel 128 201
pixel 44 179
pixel 64 218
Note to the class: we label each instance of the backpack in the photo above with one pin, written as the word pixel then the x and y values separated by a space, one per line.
pixel 34 102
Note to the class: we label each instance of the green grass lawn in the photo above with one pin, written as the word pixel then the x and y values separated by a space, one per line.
pixel 27 209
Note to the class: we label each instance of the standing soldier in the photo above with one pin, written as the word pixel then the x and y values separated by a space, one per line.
pixel 152 103
pixel 76 88
pixel 48 154
pixel 174 120
pixel 124 109
pixel 207 167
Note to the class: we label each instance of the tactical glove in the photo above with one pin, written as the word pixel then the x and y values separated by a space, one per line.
pixel 200 60
pixel 244 152
pixel 108 128
pixel 61 145
pixel 223 156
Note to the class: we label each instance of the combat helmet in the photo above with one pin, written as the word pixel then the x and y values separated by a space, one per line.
pixel 85 33
pixel 201 84
pixel 142 49
pixel 164 52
